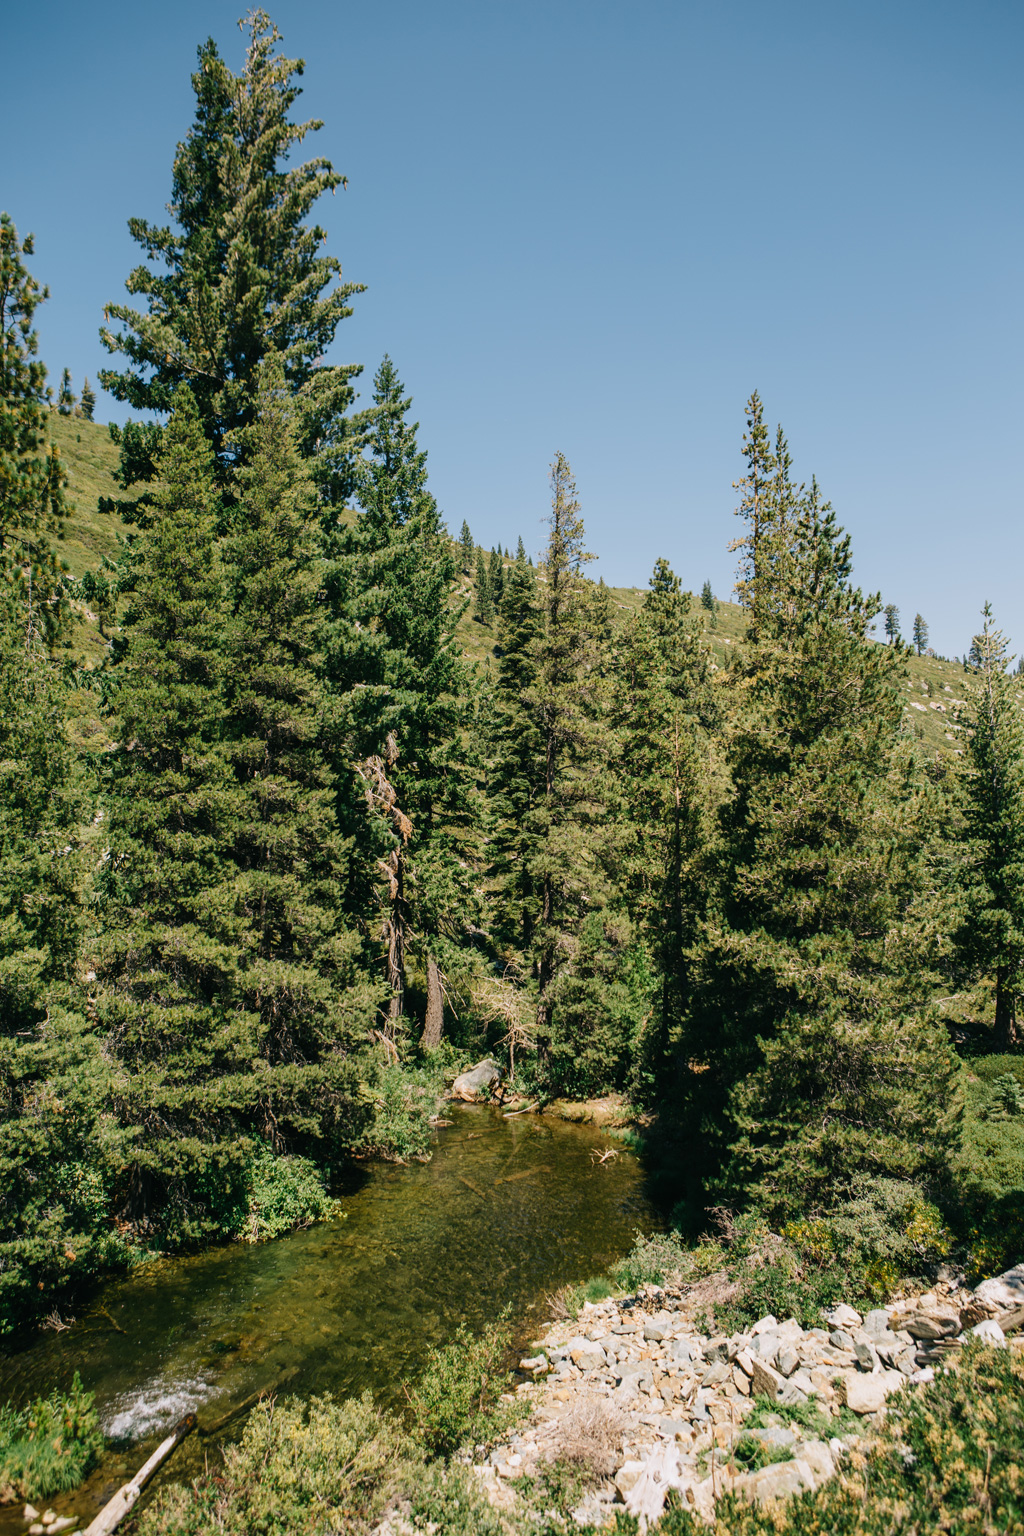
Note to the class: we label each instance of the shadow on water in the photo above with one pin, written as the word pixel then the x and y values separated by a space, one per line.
pixel 506 1211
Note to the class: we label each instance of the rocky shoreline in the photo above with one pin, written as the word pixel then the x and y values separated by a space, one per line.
pixel 635 1391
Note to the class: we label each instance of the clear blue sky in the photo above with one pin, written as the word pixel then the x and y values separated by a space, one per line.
pixel 596 228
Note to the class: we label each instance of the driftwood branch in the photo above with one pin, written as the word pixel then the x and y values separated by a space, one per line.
pixel 125 1499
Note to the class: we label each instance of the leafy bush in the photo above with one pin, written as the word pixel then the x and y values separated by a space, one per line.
pixel 319 1466
pixel 651 1261
pixel 282 1193
pixel 455 1403
pixel 49 1446
pixel 403 1099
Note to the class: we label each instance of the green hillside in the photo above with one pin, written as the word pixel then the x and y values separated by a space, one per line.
pixel 91 457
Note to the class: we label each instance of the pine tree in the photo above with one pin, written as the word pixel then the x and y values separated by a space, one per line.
pixel 816 1064
pixel 87 406
pixel 892 623
pixel 920 634
pixel 484 605
pixel 302 1005
pixel 245 275
pixel 168 957
pixel 410 698
pixel 32 482
pixel 53 1164
pixel 496 578
pixel 707 597
pixel 990 938
pixel 521 551
pixel 665 710
pixel 66 397
pixel 466 548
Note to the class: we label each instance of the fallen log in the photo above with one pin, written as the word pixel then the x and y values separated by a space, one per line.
pixel 125 1499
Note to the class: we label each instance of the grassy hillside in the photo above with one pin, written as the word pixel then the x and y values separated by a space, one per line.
pixel 91 458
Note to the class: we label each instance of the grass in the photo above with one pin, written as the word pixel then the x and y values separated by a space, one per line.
pixel 49 1446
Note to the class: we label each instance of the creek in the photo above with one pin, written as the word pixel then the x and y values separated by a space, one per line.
pixel 506 1211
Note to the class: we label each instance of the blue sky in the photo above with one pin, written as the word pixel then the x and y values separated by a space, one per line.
pixel 596 228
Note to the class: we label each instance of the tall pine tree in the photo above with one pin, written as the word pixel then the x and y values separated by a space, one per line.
pixel 245 276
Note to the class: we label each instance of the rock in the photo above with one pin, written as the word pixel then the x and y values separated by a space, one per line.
pixel 779 1481
pixel 937 1322
pixel 740 1381
pixel 764 1381
pixel 31 1513
pixel 792 1393
pixel 843 1317
pixel 841 1339
pixel 1003 1291
pixel 536 1365
pixel 867 1359
pixel 788 1360
pixel 818 1456
pixel 718 1349
pixel 876 1324
pixel 715 1374
pixel 654 1332
pixel 867 1394
pixel 763 1324
pixel 474 1084
pixel 745 1363
pixel 627 1476
pixel 62 1523
pixel 802 1381
pixel 990 1333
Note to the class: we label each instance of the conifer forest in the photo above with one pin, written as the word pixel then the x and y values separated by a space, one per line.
pixel 308 803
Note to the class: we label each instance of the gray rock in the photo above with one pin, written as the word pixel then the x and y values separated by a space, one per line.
pixel 876 1324
pixel 818 1457
pixel 990 1332
pixel 765 1381
pixel 1003 1291
pixel 472 1085
pixel 843 1317
pixel 718 1349
pixel 779 1481
pixel 841 1339
pixel 654 1332
pixel 793 1394
pixel 867 1394
pixel 867 1359
pixel 788 1360
pixel 715 1374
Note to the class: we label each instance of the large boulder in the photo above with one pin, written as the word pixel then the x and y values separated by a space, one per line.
pixel 477 1082
pixel 1005 1291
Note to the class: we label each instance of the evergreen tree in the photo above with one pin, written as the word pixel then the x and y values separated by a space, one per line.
pixel 517 773
pixel 568 823
pixel 32 505
pixel 302 1004
pixel 53 1167
pixel 66 398
pixel 665 709
pixel 484 605
pixel 707 597
pixel 496 578
pixel 168 957
pixel 920 634
pixel 466 548
pixel 521 551
pixel 245 276
pixel 407 694
pixel 814 1063
pixel 892 623
pixel 990 937
pixel 87 406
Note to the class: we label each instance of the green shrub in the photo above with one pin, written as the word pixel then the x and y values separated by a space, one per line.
pixel 403 1100
pixel 282 1193
pixel 652 1261
pixel 455 1402
pixel 49 1446
pixel 304 1468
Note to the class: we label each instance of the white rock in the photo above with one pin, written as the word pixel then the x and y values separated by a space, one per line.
pixel 989 1332
pixel 867 1394
pixel 1004 1291
pixel 843 1317
pixel 764 1324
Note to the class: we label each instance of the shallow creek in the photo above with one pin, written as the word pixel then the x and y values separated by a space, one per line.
pixel 506 1211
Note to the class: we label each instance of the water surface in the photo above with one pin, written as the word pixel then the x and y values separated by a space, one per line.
pixel 506 1211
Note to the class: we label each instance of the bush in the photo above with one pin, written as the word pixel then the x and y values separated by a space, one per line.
pixel 652 1261
pixel 282 1193
pixel 49 1446
pixel 403 1100
pixel 455 1402
pixel 320 1466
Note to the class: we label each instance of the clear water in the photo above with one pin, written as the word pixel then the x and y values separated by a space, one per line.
pixel 506 1211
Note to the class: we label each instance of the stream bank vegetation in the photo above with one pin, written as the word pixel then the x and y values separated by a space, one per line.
pixel 278 855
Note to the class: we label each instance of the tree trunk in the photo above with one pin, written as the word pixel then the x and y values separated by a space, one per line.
pixel 1007 1032
pixel 433 1025
pixel 396 942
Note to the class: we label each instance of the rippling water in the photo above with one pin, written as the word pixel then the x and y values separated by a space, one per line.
pixel 506 1211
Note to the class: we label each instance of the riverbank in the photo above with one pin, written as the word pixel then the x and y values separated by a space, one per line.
pixel 641 1395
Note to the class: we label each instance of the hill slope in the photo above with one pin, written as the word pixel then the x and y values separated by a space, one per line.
pixel 91 459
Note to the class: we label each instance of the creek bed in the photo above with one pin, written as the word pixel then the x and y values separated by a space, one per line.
pixel 506 1211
